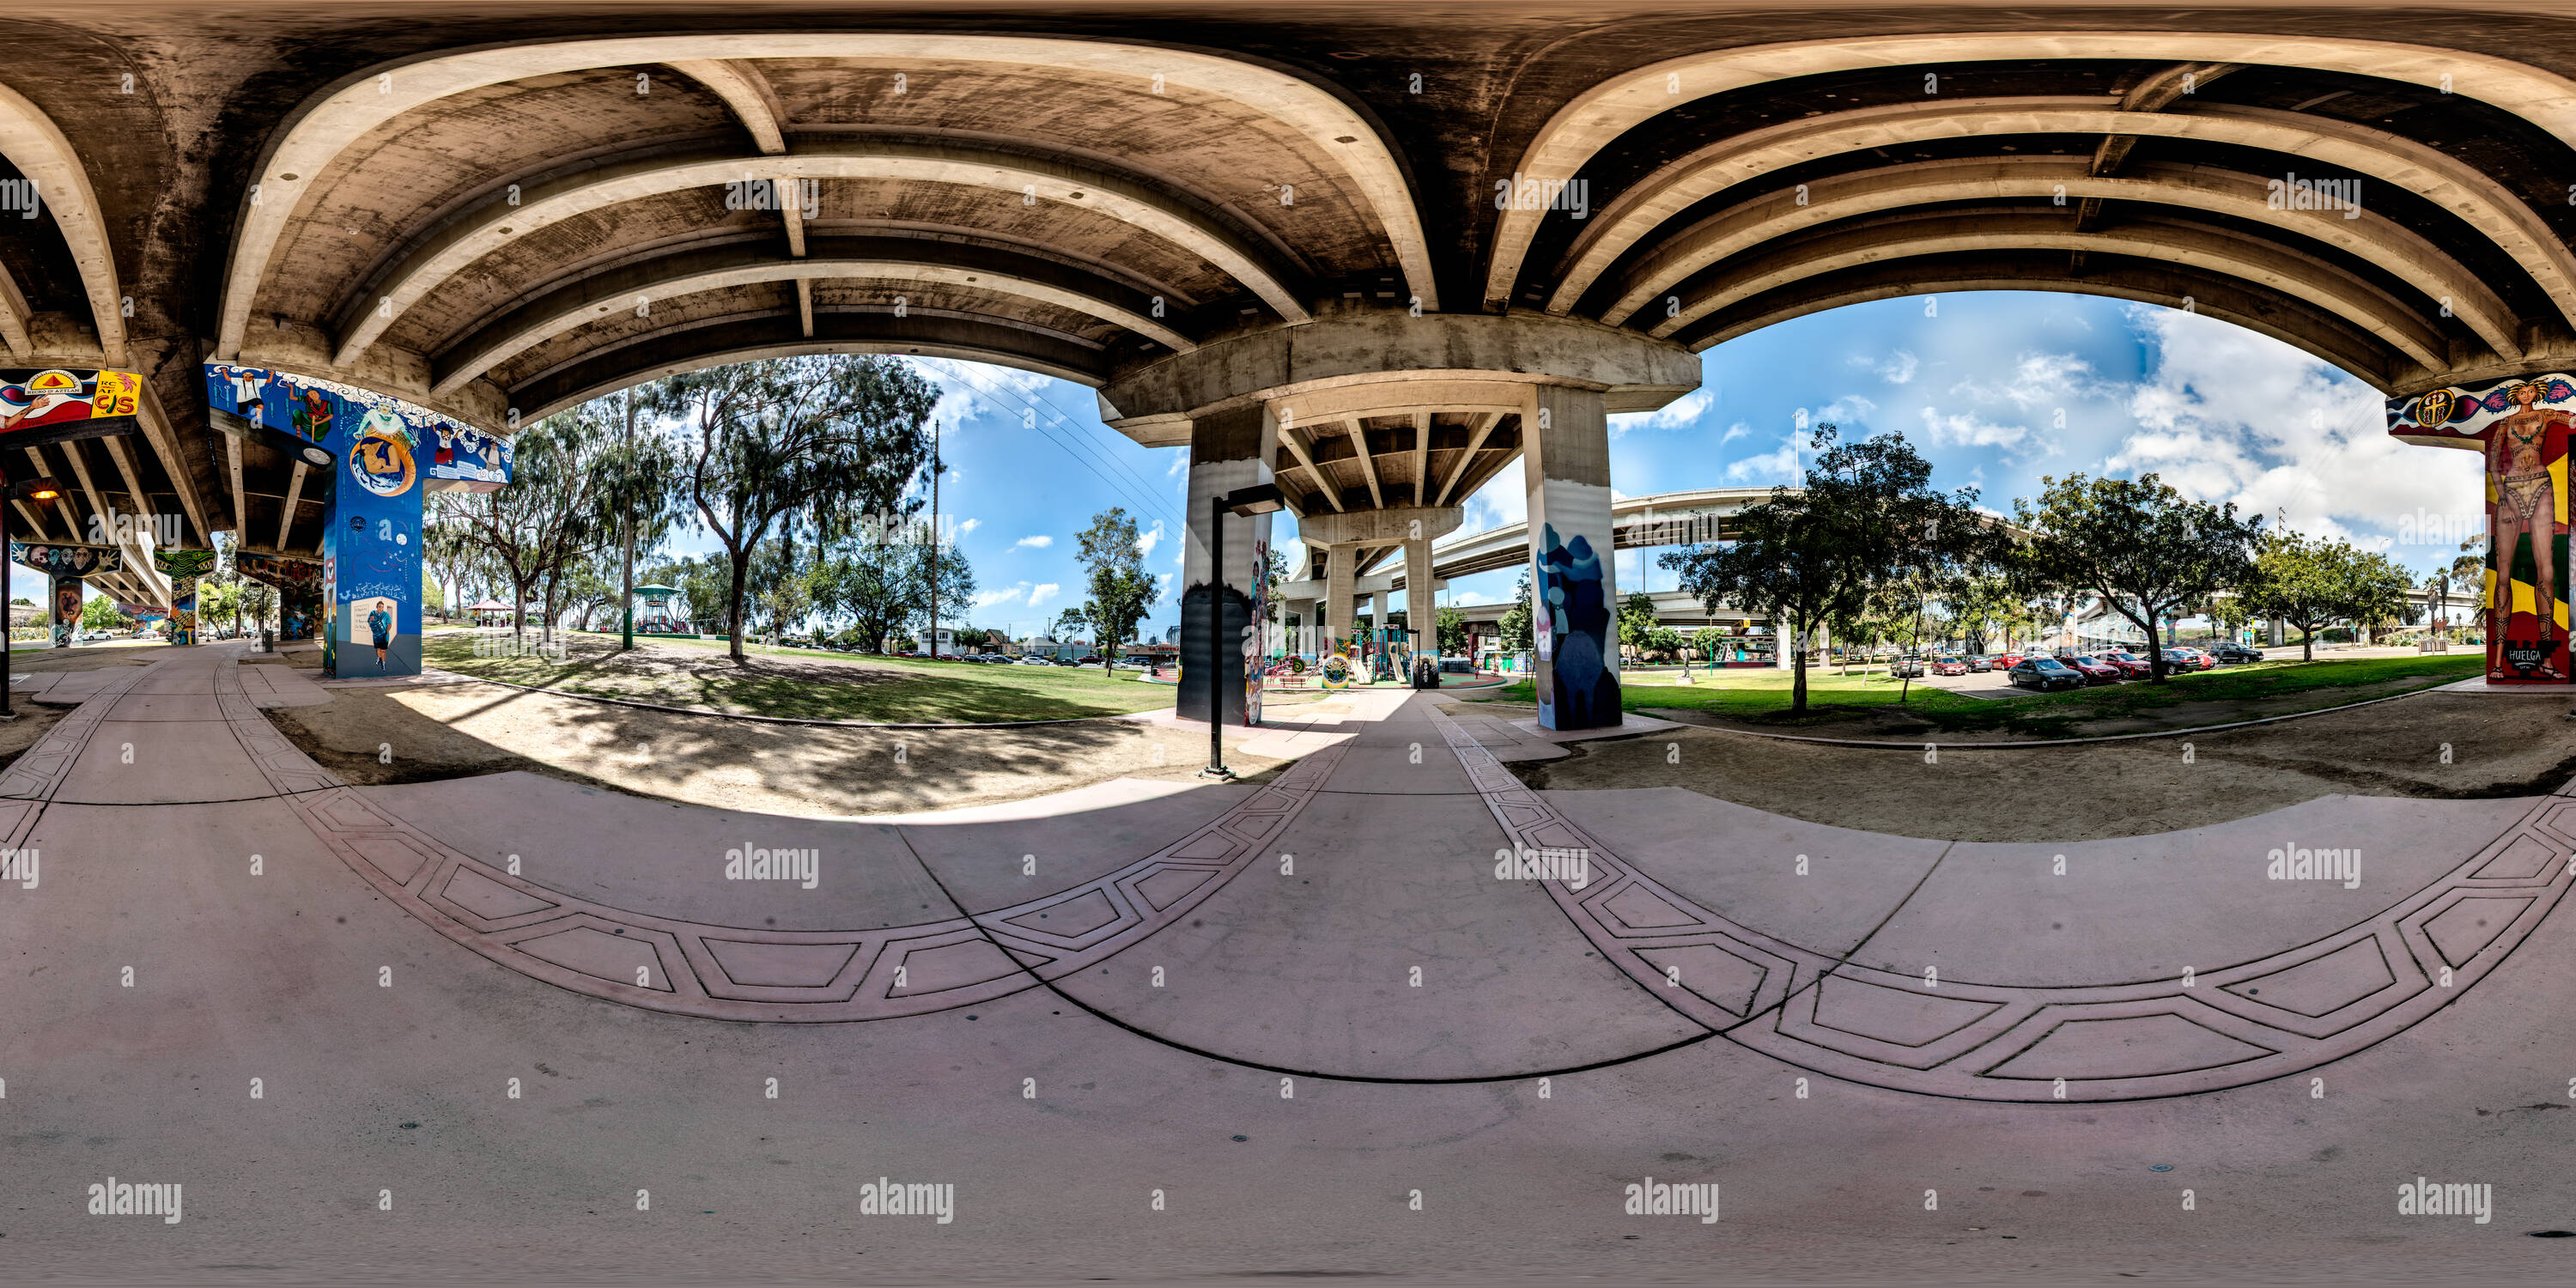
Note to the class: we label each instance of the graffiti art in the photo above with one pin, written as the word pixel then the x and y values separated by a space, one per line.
pixel 184 563
pixel 66 561
pixel 1578 683
pixel 2520 425
pixel 30 399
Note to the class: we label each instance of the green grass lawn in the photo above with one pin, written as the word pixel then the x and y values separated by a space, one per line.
pixel 812 685
pixel 1762 696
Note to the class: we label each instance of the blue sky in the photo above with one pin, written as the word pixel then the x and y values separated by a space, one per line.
pixel 1996 389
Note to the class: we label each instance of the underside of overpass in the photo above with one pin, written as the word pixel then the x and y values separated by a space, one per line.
pixel 1370 256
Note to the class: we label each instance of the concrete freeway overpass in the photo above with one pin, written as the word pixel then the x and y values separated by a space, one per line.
pixel 1370 260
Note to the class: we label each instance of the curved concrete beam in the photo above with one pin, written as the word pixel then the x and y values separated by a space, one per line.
pixel 37 147
pixel 2297 276
pixel 1604 112
pixel 747 92
pixel 2289 322
pixel 582 302
pixel 471 239
pixel 328 123
pixel 2479 201
pixel 2371 236
pixel 749 339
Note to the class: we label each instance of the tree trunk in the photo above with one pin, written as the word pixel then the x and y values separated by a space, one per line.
pixel 518 612
pixel 1796 642
pixel 2307 642
pixel 741 561
pixel 2155 653
pixel 626 605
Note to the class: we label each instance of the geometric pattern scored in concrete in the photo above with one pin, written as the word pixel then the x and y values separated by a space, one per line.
pixel 2267 1016
pixel 2243 1023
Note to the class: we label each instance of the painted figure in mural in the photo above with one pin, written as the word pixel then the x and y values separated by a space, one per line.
pixel 312 414
pixel 33 402
pixel 2526 501
pixel 380 623
pixel 1584 690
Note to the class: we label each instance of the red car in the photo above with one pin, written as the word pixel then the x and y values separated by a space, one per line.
pixel 2094 670
pixel 1949 666
pixel 2188 659
pixel 2007 661
pixel 2130 665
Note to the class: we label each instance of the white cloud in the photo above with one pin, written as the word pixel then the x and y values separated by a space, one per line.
pixel 1041 593
pixel 2230 415
pixel 1148 539
pixel 1470 598
pixel 1851 407
pixel 2041 380
pixel 988 598
pixel 1162 586
pixel 1967 429
pixel 1899 367
pixel 970 525
pixel 1773 467
pixel 1733 432
pixel 1039 542
pixel 1680 413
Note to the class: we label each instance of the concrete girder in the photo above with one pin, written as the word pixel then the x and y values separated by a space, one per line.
pixel 1316 370
pixel 2372 236
pixel 752 337
pixel 14 317
pixel 2473 197
pixel 1383 527
pixel 2295 275
pixel 715 268
pixel 1458 469
pixel 2154 94
pixel 1295 441
pixel 331 121
pixel 1422 458
pixel 39 150
pixel 2288 321
pixel 747 93
pixel 1599 115
pixel 1358 432
pixel 457 247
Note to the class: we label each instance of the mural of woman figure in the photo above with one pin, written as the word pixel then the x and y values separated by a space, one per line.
pixel 2526 503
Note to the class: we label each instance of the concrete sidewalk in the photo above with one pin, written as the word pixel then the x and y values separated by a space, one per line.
pixel 1137 986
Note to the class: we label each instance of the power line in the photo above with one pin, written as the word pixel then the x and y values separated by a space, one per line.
pixel 1138 495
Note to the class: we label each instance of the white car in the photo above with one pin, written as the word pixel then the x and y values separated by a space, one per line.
pixel 1033 659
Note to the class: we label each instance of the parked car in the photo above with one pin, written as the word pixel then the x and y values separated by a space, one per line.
pixel 1980 662
pixel 2187 660
pixel 1949 666
pixel 1035 659
pixel 2094 670
pixel 2235 653
pixel 2045 673
pixel 2007 661
pixel 2130 665
pixel 1904 667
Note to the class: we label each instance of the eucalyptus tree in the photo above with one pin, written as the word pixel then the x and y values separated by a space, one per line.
pixel 833 440
pixel 2144 550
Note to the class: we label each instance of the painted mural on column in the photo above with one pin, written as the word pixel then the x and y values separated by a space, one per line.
pixel 183 568
pixel 299 590
pixel 67 610
pixel 57 560
pixel 2520 426
pixel 1255 652
pixel 393 454
pixel 32 399
pixel 1570 623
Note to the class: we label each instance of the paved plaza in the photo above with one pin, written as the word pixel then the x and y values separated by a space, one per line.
pixel 1192 1030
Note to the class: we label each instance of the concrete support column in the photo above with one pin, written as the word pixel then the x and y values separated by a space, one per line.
pixel 1421 595
pixel 1340 574
pixel 66 600
pixel 1302 640
pixel 1565 463
pixel 1228 450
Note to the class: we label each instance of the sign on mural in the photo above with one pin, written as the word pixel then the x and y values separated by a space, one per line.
pixel 36 399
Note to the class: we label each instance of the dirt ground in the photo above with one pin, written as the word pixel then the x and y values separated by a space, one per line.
pixel 2499 746
pixel 453 730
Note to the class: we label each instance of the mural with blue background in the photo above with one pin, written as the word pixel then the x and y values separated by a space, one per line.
pixel 391 454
